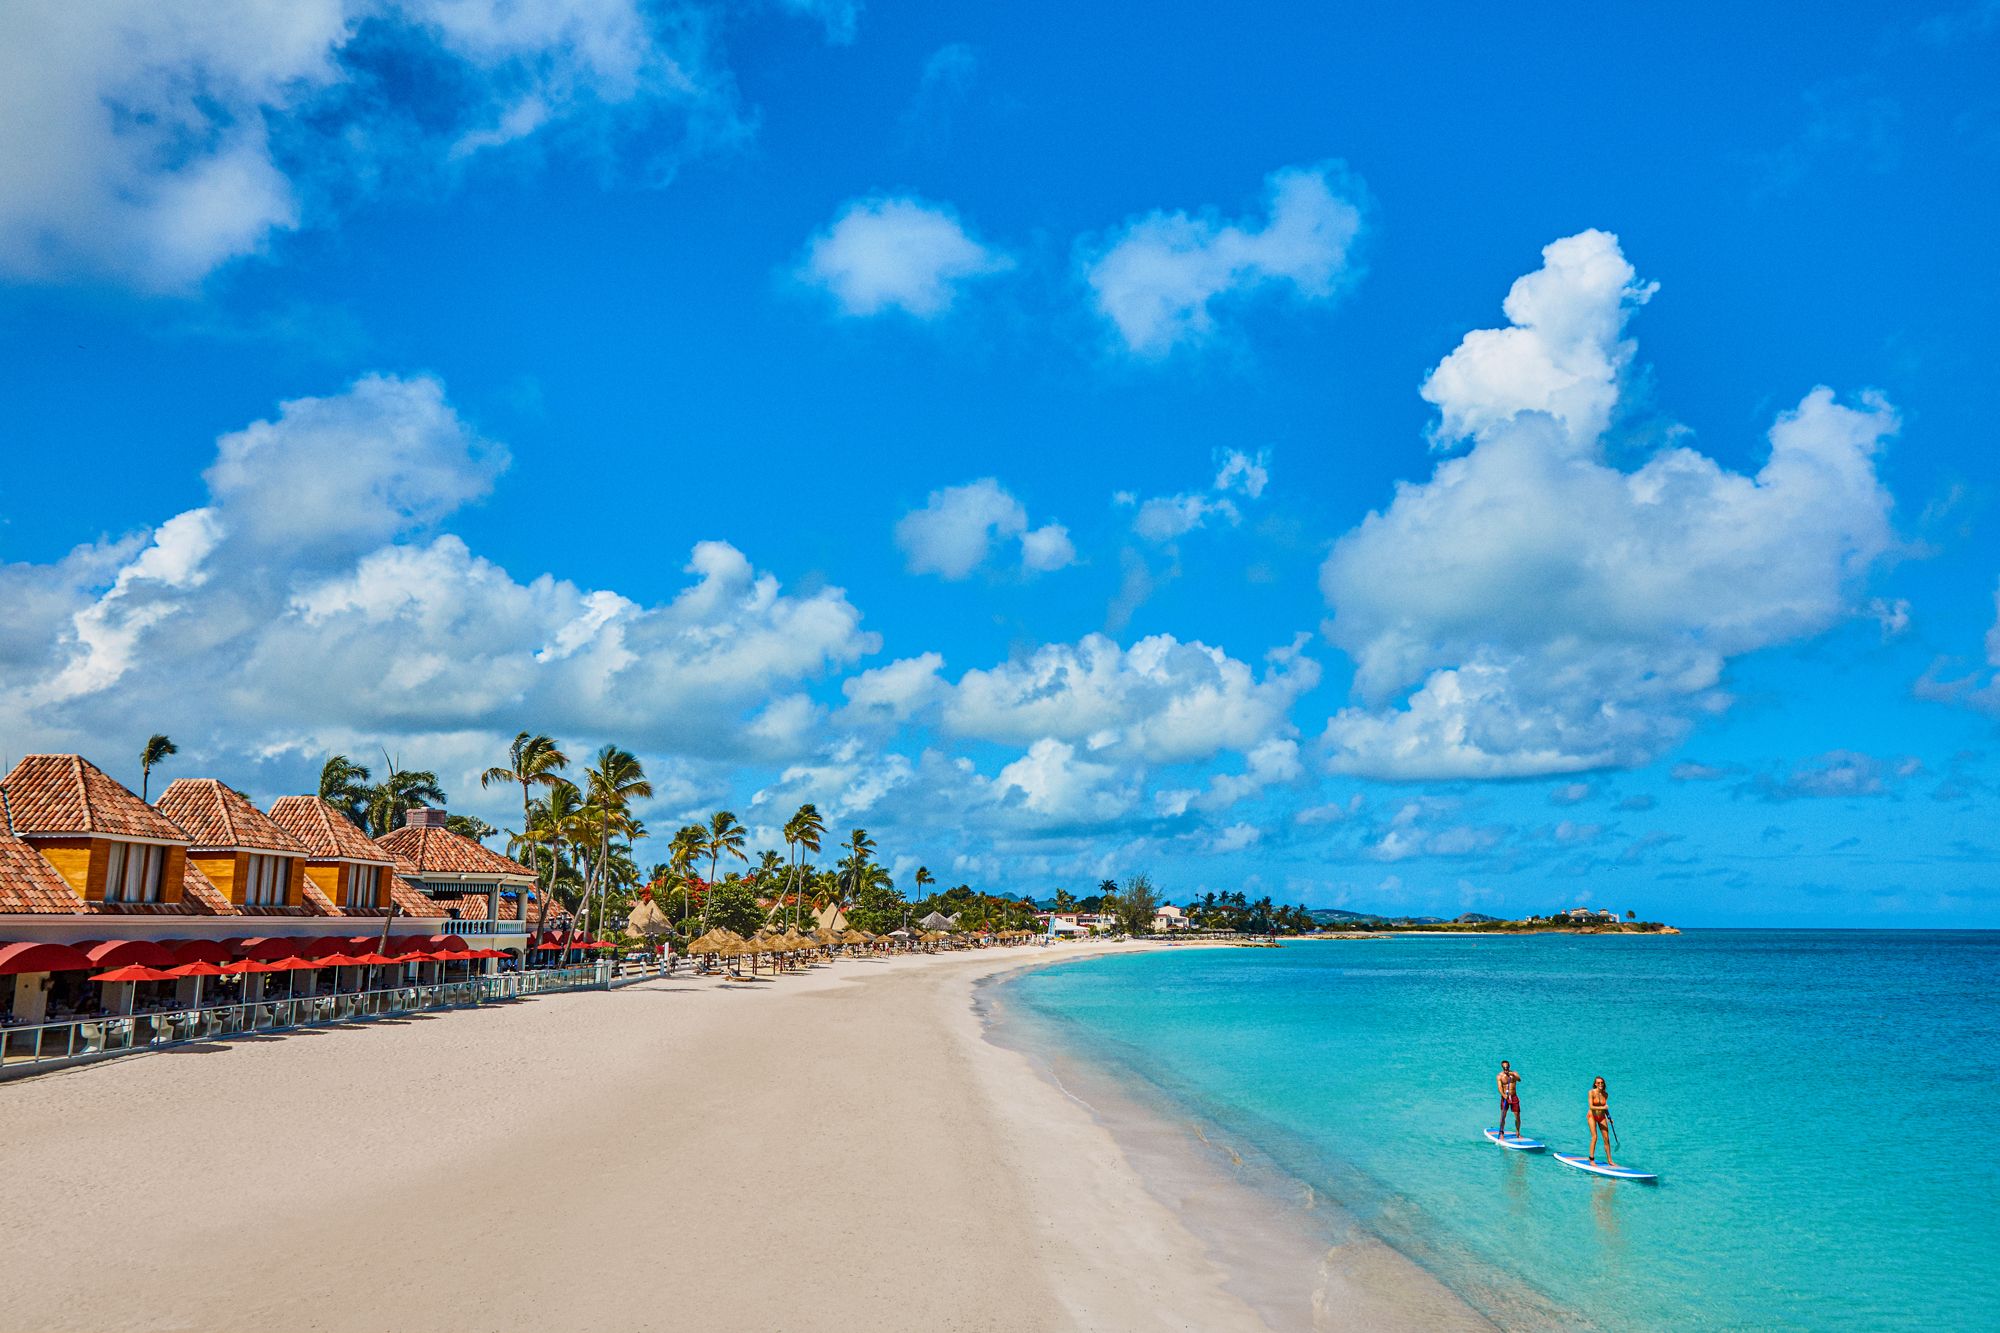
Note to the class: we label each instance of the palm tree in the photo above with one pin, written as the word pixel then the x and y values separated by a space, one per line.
pixel 158 748
pixel 683 850
pixel 725 837
pixel 833 890
pixel 553 821
pixel 771 870
pixel 802 834
pixel 854 868
pixel 533 761
pixel 855 878
pixel 859 848
pixel 924 877
pixel 396 795
pixel 344 784
pixel 1065 900
pixel 617 780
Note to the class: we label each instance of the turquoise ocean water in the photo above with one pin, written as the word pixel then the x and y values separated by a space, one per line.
pixel 1822 1108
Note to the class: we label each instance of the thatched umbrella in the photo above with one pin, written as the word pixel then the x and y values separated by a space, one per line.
pixel 648 922
pixel 718 942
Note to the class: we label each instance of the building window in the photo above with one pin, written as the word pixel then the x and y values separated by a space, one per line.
pixel 363 882
pixel 132 872
pixel 266 880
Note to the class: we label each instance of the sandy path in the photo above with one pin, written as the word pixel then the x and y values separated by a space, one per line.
pixel 837 1150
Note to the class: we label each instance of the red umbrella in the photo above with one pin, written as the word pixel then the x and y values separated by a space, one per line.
pixel 253 965
pixel 370 960
pixel 134 973
pixel 202 969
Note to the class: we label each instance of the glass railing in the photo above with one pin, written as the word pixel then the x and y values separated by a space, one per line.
pixel 27 1045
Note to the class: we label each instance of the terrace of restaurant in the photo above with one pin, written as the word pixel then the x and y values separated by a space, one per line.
pixel 94 998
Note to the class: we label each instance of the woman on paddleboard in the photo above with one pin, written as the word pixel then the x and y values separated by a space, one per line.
pixel 1600 1119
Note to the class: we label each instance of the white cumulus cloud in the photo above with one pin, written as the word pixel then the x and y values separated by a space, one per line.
pixel 1163 519
pixel 956 529
pixel 248 636
pixel 1563 352
pixel 1157 279
pixel 896 254
pixel 153 143
pixel 1535 609
pixel 1161 700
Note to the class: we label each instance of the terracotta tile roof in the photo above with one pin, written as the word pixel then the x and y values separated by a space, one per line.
pixel 318 904
pixel 30 884
pixel 327 833
pixel 427 849
pixel 52 794
pixel 218 817
pixel 412 900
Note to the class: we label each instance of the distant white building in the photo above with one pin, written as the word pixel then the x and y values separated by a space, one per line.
pixel 1168 917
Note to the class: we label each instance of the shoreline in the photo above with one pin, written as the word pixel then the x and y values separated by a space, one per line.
pixel 1295 1259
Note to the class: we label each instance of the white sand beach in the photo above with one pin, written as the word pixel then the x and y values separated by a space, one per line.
pixel 837 1150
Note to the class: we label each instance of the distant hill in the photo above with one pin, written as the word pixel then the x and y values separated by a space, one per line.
pixel 1339 916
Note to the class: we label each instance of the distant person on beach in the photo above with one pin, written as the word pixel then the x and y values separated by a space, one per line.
pixel 1510 1097
pixel 1600 1119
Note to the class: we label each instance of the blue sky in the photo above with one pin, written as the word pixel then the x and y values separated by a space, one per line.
pixel 1062 445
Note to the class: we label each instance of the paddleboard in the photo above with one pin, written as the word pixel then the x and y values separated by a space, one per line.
pixel 1605 1168
pixel 1514 1141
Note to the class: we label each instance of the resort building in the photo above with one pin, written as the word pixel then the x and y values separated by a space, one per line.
pixel 112 849
pixel 1586 916
pixel 478 891
pixel 245 857
pixel 1168 917
pixel 344 869
pixel 92 879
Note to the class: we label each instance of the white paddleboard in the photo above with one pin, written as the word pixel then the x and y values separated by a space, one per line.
pixel 1514 1141
pixel 1605 1168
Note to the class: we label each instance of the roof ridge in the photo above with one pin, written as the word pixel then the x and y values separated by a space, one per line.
pixel 83 795
pixel 222 791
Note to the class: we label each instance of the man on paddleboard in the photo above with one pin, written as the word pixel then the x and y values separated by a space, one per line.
pixel 1510 1097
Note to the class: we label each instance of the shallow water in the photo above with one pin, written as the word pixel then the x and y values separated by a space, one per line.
pixel 1816 1103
